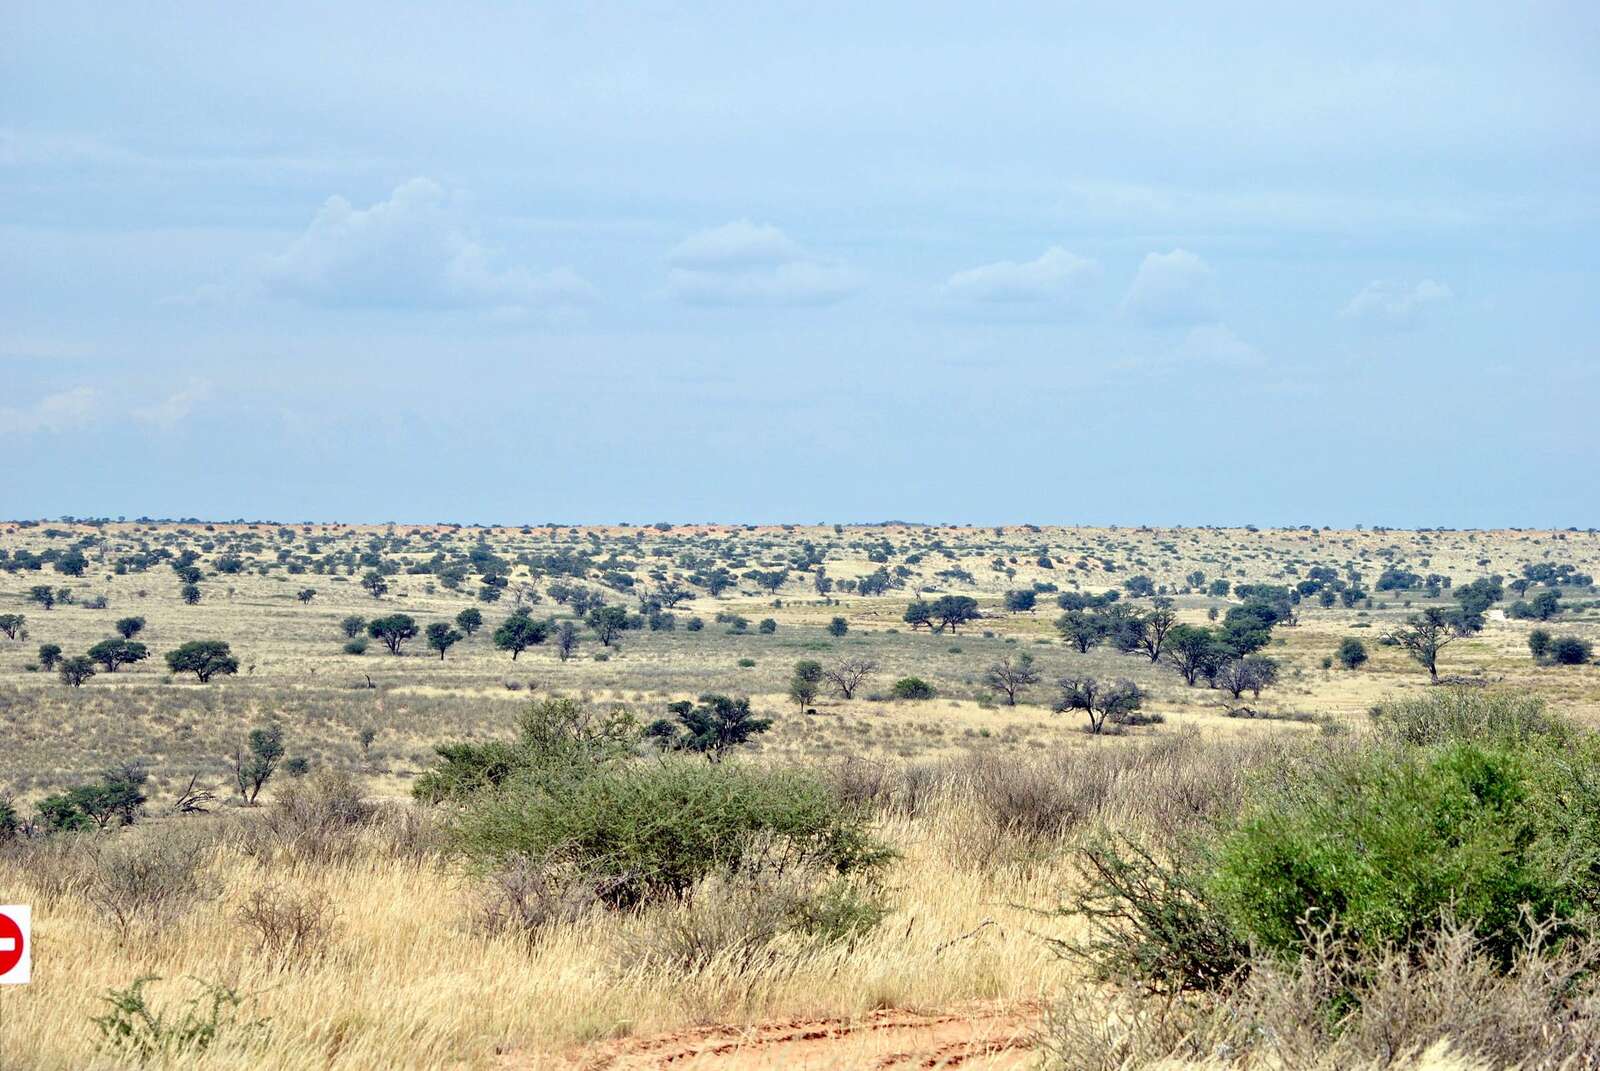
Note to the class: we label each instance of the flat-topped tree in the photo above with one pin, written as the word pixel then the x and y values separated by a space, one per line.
pixel 394 630
pixel 129 627
pixel 204 658
pixel 113 654
pixel 953 611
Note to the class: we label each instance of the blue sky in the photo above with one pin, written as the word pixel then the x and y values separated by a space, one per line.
pixel 1058 263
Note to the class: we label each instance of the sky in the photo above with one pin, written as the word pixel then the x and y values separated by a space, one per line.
pixel 957 263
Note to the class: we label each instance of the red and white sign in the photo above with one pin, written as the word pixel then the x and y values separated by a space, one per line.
pixel 16 944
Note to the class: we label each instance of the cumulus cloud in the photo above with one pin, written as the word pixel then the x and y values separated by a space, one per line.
pixel 66 410
pixel 1172 289
pixel 1055 276
pixel 744 263
pixel 1217 344
pixel 410 251
pixel 175 408
pixel 1395 305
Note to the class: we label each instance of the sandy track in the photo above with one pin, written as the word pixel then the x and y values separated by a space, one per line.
pixel 979 1037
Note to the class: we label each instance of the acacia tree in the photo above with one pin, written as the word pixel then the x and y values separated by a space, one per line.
pixel 670 593
pixel 919 615
pixel 952 611
pixel 43 594
pixel 204 658
pixel 1189 649
pixel 441 637
pixel 1424 635
pixel 519 632
pixel 13 624
pixel 566 640
pixel 1081 629
pixel 75 670
pixel 255 761
pixel 394 630
pixel 129 627
pixel 847 675
pixel 711 727
pixel 470 620
pixel 806 682
pixel 375 584
pixel 607 622
pixel 1011 677
pixel 113 654
pixel 1153 633
pixel 1099 700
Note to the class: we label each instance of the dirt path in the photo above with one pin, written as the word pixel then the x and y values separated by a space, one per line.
pixel 978 1037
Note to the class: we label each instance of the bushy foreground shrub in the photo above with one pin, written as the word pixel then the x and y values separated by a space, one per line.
pixel 1471 813
pixel 572 799
pixel 654 829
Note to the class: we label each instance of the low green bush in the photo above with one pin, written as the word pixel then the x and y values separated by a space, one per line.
pixel 647 830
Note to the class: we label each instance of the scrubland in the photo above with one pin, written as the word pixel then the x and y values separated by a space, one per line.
pixel 339 922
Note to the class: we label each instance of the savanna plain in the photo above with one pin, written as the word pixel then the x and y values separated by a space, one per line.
pixel 442 796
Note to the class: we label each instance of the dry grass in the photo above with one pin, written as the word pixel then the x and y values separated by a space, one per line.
pixel 365 951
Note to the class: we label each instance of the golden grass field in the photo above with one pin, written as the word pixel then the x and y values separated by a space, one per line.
pixel 397 975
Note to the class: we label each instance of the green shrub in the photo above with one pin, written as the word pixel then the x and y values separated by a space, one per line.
pixel 913 688
pixel 646 831
pixel 555 733
pixel 1570 651
pixel 1377 847
pixel 1465 714
pixel 132 1029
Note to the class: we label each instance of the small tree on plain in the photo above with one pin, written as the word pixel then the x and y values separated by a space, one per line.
pixel 519 632
pixel 848 674
pixel 805 682
pixel 394 630
pixel 1424 635
pixel 566 640
pixel 353 626
pixel 191 593
pixel 49 655
pixel 256 760
pixel 1099 700
pixel 43 594
pixel 305 595
pixel 442 637
pixel 375 584
pixel 129 627
pixel 1011 677
pixel 470 620
pixel 1352 653
pixel 14 626
pixel 838 627
pixel 75 670
pixel 607 622
pixel 113 654
pixel 204 658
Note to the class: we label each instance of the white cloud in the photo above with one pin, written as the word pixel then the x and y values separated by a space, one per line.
pixel 410 251
pixel 1217 344
pixel 1054 276
pixel 1170 289
pixel 1395 305
pixel 175 408
pixel 66 410
pixel 744 263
